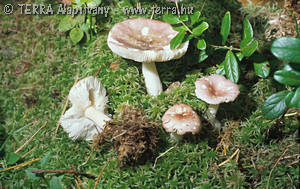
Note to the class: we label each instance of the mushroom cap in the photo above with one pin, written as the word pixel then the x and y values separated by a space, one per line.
pixel 144 40
pixel 216 89
pixel 78 126
pixel 181 119
pixel 85 93
pixel 88 92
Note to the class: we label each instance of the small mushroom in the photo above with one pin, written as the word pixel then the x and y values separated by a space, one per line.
pixel 146 41
pixel 215 89
pixel 181 119
pixel 87 115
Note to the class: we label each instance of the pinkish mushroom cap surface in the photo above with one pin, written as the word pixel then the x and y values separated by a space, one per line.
pixel 144 40
pixel 216 89
pixel 181 119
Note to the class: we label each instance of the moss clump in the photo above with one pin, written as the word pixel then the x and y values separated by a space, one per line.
pixel 133 136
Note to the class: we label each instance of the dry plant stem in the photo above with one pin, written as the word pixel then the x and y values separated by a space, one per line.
pixel 99 176
pixel 151 77
pixel 80 182
pixel 276 164
pixel 64 108
pixel 62 172
pixel 225 47
pixel 230 158
pixel 210 116
pixel 25 143
pixel 162 155
pixel 20 165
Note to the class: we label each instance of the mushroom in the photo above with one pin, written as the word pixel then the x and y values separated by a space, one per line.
pixel 146 41
pixel 87 115
pixel 181 119
pixel 215 89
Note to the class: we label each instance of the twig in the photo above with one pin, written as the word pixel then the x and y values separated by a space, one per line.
pixel 64 108
pixel 20 165
pixel 225 47
pixel 93 149
pixel 202 6
pixel 162 155
pixel 176 3
pixel 28 152
pixel 230 158
pixel 253 166
pixel 123 133
pixel 80 182
pixel 25 115
pixel 77 184
pixel 62 172
pixel 26 142
pixel 101 172
pixel 291 114
pixel 276 164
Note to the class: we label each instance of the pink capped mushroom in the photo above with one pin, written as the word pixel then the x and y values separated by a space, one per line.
pixel 181 119
pixel 146 41
pixel 214 90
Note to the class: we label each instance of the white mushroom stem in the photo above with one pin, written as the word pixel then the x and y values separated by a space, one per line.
pixel 210 115
pixel 151 77
pixel 98 117
pixel 176 137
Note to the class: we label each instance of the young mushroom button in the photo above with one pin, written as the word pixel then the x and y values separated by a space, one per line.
pixel 87 115
pixel 146 41
pixel 215 89
pixel 181 119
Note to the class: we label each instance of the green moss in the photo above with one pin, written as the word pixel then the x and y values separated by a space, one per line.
pixel 39 66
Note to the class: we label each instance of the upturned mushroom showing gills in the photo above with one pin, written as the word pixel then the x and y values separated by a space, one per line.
pixel 215 89
pixel 87 115
pixel 181 119
pixel 146 41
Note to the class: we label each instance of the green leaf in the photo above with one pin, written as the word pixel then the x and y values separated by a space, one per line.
pixel 231 67
pixel 202 56
pixel 239 55
pixel 225 27
pixel 293 99
pixel 194 17
pixel 248 31
pixel 45 160
pixel 249 48
pixel 93 3
pixel 290 77
pixel 200 29
pixel 66 23
pixel 184 18
pixel 201 44
pixel 262 69
pixel 76 35
pixel 171 19
pixel 55 182
pixel 30 174
pixel 275 105
pixel 80 18
pixel 287 48
pixel 177 40
pixel 180 28
pixel 221 70
pixel 12 158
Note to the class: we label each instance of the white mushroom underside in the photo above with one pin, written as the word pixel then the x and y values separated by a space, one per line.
pixel 140 55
